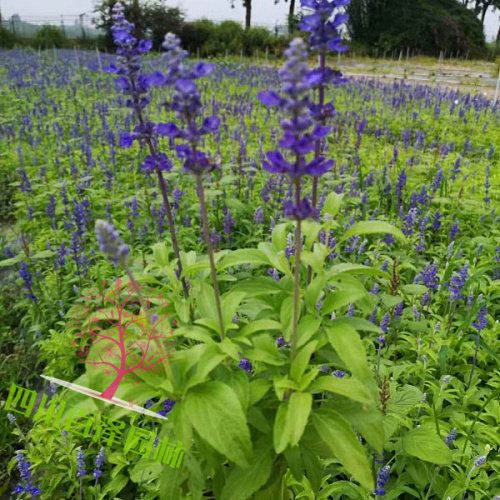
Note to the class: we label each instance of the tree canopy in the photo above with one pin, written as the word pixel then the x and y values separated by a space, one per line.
pixel 427 25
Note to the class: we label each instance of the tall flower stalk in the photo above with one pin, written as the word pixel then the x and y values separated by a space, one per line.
pixel 324 37
pixel 193 126
pixel 299 140
pixel 136 85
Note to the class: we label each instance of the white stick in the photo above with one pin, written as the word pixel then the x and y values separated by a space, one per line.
pixel 99 58
pixel 497 89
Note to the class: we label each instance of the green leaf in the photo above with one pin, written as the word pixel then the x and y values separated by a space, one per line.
pixel 286 317
pixel 332 204
pixel 280 431
pixel 229 305
pixel 206 302
pixel 215 412
pixel 425 444
pixel 345 340
pixel 367 419
pixel 160 254
pixel 145 470
pixel 44 254
pixel 115 485
pixel 347 387
pixel 301 361
pixel 310 230
pixel 260 325
pixel 244 256
pixel 358 324
pixel 242 483
pixel 278 237
pixel 261 285
pixel 371 227
pixel 12 261
pixel 277 260
pixel 299 408
pixel 349 268
pixel 344 444
pixel 258 389
pixel 308 326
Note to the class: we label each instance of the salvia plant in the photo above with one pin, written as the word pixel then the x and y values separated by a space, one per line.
pixel 329 253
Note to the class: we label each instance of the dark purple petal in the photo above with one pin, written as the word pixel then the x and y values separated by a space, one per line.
pixel 144 46
pixel 126 140
pixel 319 132
pixel 185 86
pixel 212 123
pixel 269 98
pixel 167 129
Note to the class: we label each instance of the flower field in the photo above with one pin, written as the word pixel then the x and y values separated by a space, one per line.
pixel 331 275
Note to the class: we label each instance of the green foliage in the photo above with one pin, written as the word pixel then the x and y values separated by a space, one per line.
pixel 7 38
pixel 49 37
pixel 431 26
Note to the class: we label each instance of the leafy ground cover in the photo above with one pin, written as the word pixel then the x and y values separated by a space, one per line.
pixel 395 378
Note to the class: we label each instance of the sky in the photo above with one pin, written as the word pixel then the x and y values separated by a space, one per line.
pixel 264 12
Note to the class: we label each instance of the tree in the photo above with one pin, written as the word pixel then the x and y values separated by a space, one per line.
pixel 124 335
pixel 292 25
pixel 480 7
pixel 151 19
pixel 48 37
pixel 160 20
pixel 427 25
pixel 247 5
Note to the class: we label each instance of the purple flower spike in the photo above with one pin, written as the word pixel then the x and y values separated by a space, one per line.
pixel 245 364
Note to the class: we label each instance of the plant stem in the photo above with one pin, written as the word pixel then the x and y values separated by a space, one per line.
pixel 431 483
pixel 206 234
pixel 478 338
pixel 296 283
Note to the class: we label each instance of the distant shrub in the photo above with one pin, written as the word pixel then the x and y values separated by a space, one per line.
pixel 197 34
pixel 7 38
pixel 256 39
pixel 49 36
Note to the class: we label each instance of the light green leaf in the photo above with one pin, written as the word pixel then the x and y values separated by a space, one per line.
pixel 216 413
pixel 372 227
pixel 344 444
pixel 260 285
pixel 299 408
pixel 44 254
pixel 286 317
pixel 229 304
pixel 12 261
pixel 359 324
pixel 277 260
pixel 260 325
pixel 332 204
pixel 280 431
pixel 348 387
pixel 345 340
pixel 258 389
pixel 160 254
pixel 350 268
pixel 301 361
pixel 310 230
pixel 243 256
pixel 242 483
pixel 279 237
pixel 425 444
